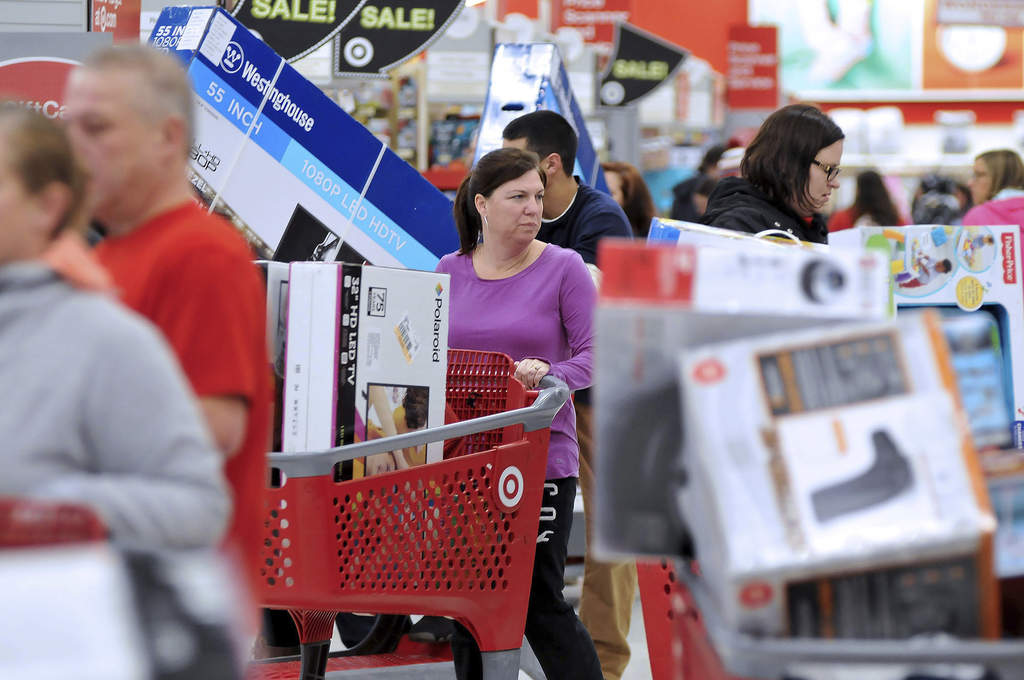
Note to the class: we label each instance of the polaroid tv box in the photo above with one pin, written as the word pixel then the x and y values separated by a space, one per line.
pixel 268 141
pixel 528 77
pixel 655 300
pixel 961 270
pixel 834 490
pixel 367 356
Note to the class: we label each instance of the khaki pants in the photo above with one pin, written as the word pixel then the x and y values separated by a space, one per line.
pixel 609 588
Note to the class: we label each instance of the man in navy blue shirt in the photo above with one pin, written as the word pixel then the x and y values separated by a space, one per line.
pixel 577 216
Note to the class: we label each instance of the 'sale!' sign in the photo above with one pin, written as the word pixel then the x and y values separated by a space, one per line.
pixel 381 37
pixel 639 63
pixel 294 28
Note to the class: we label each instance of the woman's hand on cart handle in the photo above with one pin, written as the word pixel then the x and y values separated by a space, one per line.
pixel 530 371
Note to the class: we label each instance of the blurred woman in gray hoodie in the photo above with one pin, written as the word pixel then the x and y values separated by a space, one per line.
pixel 95 409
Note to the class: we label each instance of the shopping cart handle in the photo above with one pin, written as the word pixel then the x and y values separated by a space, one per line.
pixel 553 395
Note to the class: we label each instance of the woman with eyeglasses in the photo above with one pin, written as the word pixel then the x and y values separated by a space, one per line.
pixel 997 188
pixel 786 178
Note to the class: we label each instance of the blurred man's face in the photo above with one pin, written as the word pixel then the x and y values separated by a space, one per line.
pixel 112 138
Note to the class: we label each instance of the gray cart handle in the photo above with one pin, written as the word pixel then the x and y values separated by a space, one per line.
pixel 754 657
pixel 553 395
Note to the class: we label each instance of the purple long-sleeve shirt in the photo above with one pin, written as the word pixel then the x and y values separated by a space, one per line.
pixel 544 312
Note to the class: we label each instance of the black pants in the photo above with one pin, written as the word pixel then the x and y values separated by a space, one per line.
pixel 559 640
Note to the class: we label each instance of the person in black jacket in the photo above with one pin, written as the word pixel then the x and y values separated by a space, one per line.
pixel 788 173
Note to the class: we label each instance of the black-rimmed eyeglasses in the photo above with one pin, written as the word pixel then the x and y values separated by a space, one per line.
pixel 831 171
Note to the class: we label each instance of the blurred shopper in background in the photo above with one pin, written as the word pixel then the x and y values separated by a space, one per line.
pixel 937 201
pixel 129 115
pixel 872 206
pixel 684 199
pixel 534 301
pixel 578 217
pixel 628 188
pixel 97 411
pixel 997 189
pixel 702 193
pixel 788 173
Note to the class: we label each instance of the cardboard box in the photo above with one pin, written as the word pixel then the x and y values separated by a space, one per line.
pixel 834 490
pixel 270 149
pixel 656 300
pixel 968 269
pixel 367 355
pixel 678 232
pixel 527 77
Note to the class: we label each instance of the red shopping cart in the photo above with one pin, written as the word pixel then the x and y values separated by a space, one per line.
pixel 453 538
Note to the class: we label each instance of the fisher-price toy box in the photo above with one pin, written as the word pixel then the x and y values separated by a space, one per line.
pixel 974 272
pixel 833 487
pixel 655 300
pixel 297 175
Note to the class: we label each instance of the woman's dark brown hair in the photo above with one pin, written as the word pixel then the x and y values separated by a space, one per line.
pixel 40 154
pixel 491 171
pixel 873 199
pixel 636 197
pixel 778 161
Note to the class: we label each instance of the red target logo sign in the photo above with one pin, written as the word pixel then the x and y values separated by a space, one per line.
pixel 510 487
pixel 756 594
pixel 709 371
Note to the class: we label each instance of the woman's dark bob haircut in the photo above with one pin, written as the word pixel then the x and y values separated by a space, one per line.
pixel 491 171
pixel 778 161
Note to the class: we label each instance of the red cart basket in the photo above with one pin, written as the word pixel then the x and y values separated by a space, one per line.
pixel 453 538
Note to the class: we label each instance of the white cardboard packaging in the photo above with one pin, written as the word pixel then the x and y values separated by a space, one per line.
pixel 354 329
pixel 820 455
pixel 656 300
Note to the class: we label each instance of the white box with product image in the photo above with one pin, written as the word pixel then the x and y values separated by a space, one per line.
pixel 834 488
pixel 367 357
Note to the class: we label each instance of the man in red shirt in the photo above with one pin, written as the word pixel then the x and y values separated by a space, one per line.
pixel 128 111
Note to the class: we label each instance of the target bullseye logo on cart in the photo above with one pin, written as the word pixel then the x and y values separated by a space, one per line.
pixel 358 52
pixel 510 486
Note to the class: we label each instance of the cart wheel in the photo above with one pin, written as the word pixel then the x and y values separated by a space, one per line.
pixel 382 637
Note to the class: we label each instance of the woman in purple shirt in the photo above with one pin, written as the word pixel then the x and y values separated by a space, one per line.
pixel 534 301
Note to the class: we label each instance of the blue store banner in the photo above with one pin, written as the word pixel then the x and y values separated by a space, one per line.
pixel 270 148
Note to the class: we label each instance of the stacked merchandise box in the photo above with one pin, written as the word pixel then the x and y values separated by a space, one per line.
pixel 300 177
pixel 965 270
pixel 528 77
pixel 655 300
pixel 366 356
pixel 667 232
pixel 972 275
pixel 275 274
pixel 834 489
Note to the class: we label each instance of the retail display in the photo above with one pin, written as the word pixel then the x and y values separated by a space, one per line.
pixel 526 77
pixel 664 230
pixel 834 490
pixel 966 270
pixel 366 356
pixel 268 142
pixel 656 300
